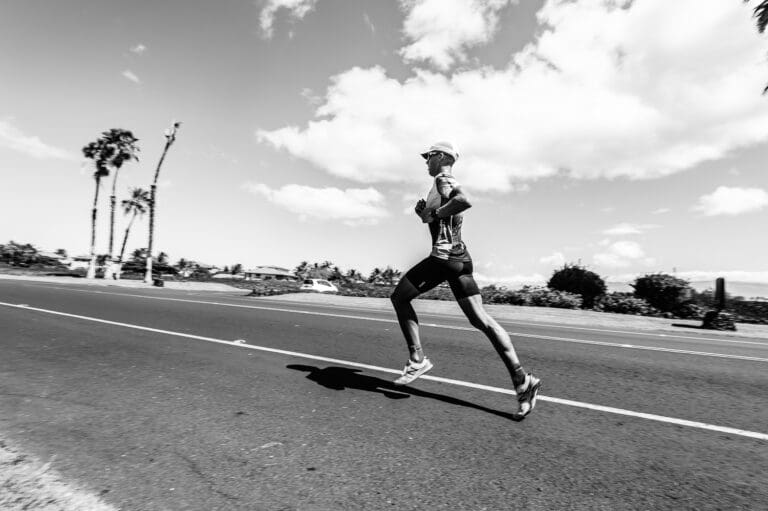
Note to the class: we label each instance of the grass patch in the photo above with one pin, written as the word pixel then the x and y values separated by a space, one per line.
pixel 26 483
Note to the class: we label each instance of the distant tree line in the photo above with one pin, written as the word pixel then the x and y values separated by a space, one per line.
pixel 329 271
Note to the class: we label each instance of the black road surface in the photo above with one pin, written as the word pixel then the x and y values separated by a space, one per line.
pixel 163 417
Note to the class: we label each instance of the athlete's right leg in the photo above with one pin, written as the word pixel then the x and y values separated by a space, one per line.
pixel 406 316
pixel 422 277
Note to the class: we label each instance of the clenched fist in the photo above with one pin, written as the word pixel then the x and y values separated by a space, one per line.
pixel 420 205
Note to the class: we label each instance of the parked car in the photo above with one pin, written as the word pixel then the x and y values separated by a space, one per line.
pixel 319 285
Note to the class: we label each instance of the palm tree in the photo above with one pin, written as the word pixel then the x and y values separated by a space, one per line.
pixel 139 255
pixel 170 138
pixel 126 144
pixel 353 276
pixel 302 270
pixel 375 275
pixel 112 149
pixel 761 13
pixel 389 275
pixel 136 205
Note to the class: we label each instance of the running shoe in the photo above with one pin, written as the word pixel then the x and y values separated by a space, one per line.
pixel 526 396
pixel 413 370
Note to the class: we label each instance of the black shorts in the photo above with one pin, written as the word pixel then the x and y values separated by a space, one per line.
pixel 432 271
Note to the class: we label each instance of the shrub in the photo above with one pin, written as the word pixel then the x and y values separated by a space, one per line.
pixel 578 280
pixel 664 292
pixel 690 311
pixel 364 289
pixel 624 303
pixel 532 296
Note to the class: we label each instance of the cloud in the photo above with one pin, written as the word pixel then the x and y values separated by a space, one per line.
pixel 556 259
pixel 732 201
pixel 660 211
pixel 440 31
pixel 622 254
pixel 627 228
pixel 13 138
pixel 297 9
pixel 139 49
pixel 612 100
pixel 131 76
pixel 352 206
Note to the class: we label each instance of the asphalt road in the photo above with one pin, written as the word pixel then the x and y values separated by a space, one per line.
pixel 144 398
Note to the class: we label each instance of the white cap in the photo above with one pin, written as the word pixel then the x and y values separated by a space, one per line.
pixel 444 147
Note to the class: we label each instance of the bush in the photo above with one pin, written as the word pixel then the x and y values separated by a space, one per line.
pixel 364 289
pixel 690 310
pixel 578 280
pixel 624 303
pixel 532 296
pixel 664 292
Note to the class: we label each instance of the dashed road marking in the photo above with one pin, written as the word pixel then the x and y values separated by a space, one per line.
pixel 461 383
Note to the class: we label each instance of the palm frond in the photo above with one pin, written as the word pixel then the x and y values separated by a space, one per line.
pixel 761 13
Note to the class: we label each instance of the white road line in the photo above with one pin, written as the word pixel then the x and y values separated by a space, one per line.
pixel 432 314
pixel 462 328
pixel 461 383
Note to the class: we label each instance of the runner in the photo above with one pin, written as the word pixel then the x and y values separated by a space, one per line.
pixel 450 261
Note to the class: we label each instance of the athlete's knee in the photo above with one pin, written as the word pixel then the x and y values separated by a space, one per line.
pixel 399 298
pixel 403 293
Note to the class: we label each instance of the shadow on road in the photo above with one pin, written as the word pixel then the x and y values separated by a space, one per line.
pixel 340 378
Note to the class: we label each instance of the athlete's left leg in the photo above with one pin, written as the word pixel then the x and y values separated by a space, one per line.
pixel 471 302
pixel 473 309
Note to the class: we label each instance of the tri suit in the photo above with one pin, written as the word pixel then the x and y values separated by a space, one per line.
pixel 449 259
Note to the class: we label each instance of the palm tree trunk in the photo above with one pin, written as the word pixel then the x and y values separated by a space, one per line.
pixel 148 274
pixel 152 203
pixel 92 265
pixel 125 238
pixel 118 266
pixel 110 270
pixel 112 216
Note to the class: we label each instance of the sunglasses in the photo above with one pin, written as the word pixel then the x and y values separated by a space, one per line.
pixel 433 153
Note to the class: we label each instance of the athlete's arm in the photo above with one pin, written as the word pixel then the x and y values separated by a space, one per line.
pixel 454 200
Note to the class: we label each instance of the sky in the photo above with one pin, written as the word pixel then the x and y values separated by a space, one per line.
pixel 626 136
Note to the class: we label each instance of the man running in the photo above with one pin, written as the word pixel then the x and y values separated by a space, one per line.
pixel 449 261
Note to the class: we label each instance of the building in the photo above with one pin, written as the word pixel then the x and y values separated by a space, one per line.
pixel 269 273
